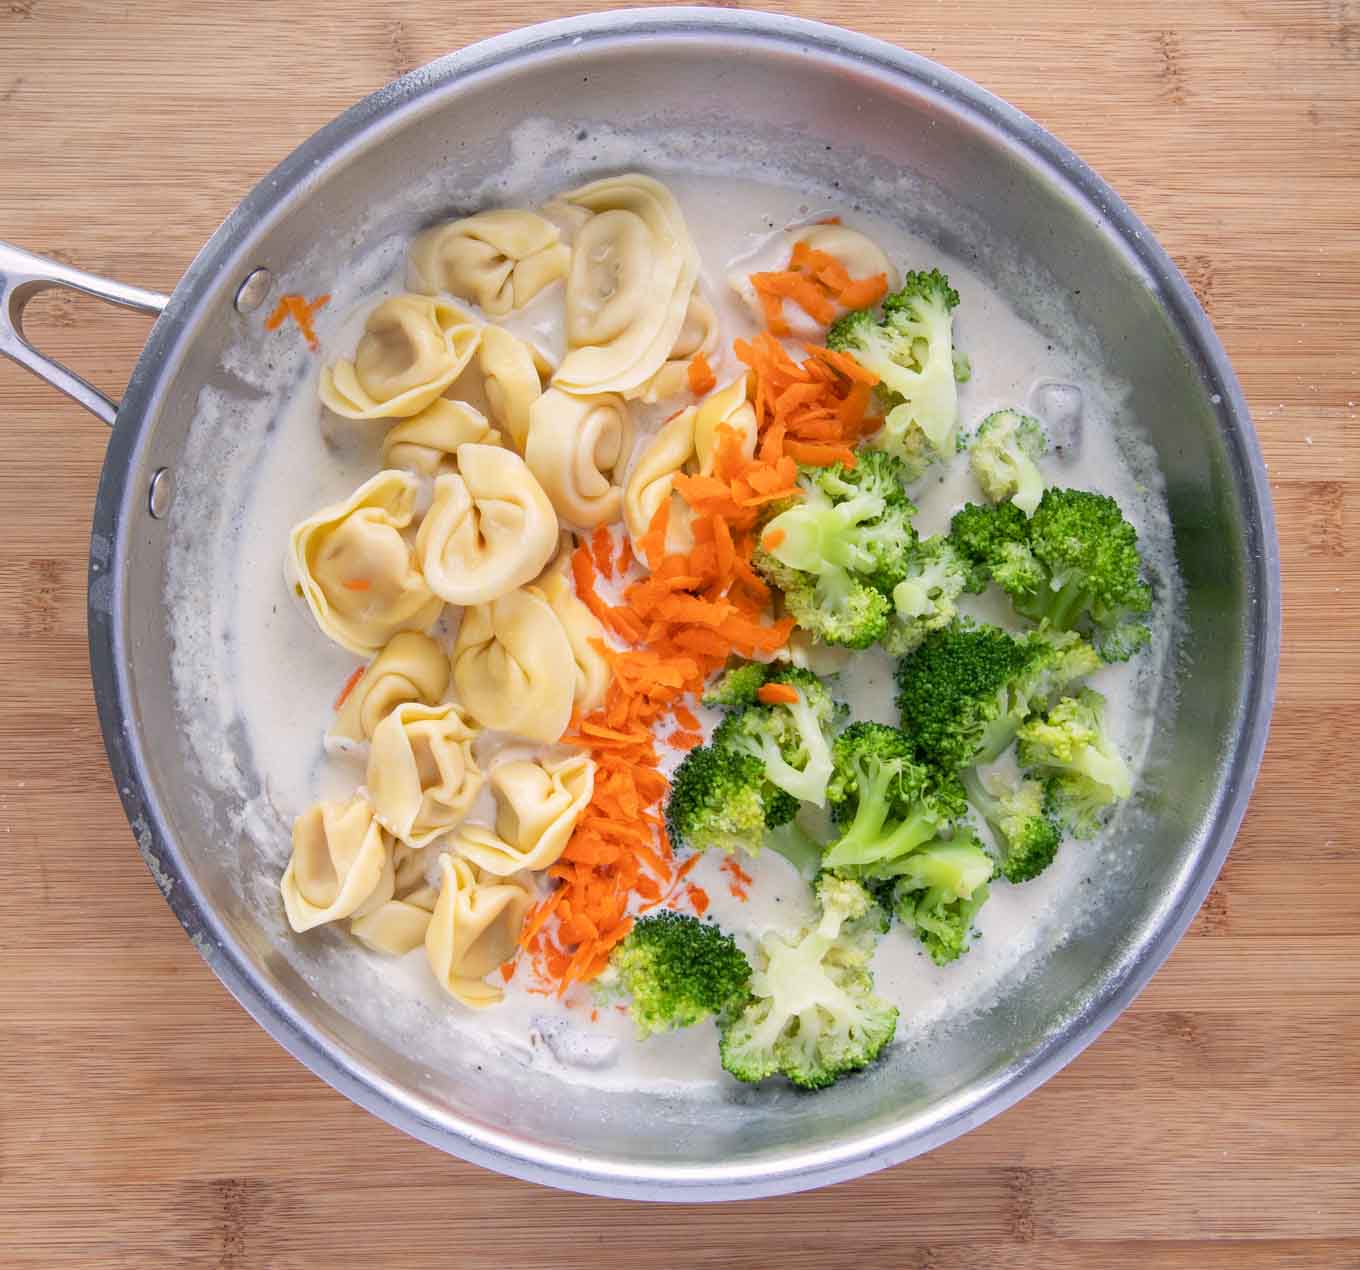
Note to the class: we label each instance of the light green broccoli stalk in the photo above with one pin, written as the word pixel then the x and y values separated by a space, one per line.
pixel 911 349
pixel 812 1015
pixel 1004 458
pixel 1026 836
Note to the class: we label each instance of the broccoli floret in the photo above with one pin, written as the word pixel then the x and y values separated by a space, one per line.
pixel 1004 458
pixel 963 367
pixel 938 892
pixel 983 534
pixel 926 599
pixel 911 349
pixel 887 801
pixel 677 970
pixel 838 551
pixel 1084 772
pixel 718 802
pixel 967 688
pixel 790 739
pixel 812 1014
pixel 738 686
pixel 1027 837
pixel 1074 564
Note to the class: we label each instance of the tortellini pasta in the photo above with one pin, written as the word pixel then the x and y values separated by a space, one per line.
pixel 632 274
pixel 583 630
pixel 341 865
pixel 357 572
pixel 860 256
pixel 577 447
pixel 427 442
pixel 537 807
pixel 699 334
pixel 513 667
pixel 412 667
pixel 513 373
pixel 498 260
pixel 398 926
pixel 413 347
pixel 474 929
pixel 422 776
pixel 490 528
pixel 652 481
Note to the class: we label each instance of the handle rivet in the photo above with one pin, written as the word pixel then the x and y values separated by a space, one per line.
pixel 252 292
pixel 161 492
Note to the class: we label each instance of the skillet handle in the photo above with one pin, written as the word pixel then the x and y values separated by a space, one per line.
pixel 22 276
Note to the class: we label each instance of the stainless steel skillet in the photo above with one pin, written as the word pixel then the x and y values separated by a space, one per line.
pixel 835 106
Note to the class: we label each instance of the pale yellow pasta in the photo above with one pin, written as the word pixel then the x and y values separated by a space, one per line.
pixel 422 776
pixel 498 260
pixel 576 448
pixel 583 630
pixel 860 256
pixel 474 929
pixel 513 374
pixel 341 865
pixel 398 926
pixel 413 347
pixel 537 806
pixel 412 667
pixel 513 667
pixel 427 442
pixel 728 406
pixel 699 334
pixel 490 528
pixel 632 275
pixel 357 572
pixel 652 481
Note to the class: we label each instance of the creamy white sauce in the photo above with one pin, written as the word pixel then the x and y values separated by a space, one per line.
pixel 251 665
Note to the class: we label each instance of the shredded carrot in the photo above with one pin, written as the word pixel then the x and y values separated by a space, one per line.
pixel 356 584
pixel 625 557
pixel 602 549
pixel 772 538
pixel 508 971
pixel 684 740
pixel 301 310
pixel 698 899
pixel 778 694
pixel 354 678
pixel 741 880
pixel 818 284
pixel 700 375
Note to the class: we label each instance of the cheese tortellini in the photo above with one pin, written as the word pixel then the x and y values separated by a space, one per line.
pixel 428 442
pixel 537 807
pixel 583 629
pixel 356 570
pixel 341 865
pixel 411 668
pixel 413 347
pixel 513 373
pixel 497 260
pixel 513 667
pixel 490 528
pixel 699 334
pixel 577 447
pixel 474 929
pixel 398 925
pixel 422 777
pixel 632 274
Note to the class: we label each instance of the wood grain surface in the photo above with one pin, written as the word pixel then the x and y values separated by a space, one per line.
pixel 146 1121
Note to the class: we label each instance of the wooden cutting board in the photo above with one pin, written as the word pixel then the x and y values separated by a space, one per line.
pixel 146 1121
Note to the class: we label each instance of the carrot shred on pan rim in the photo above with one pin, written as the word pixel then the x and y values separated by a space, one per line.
pixel 301 310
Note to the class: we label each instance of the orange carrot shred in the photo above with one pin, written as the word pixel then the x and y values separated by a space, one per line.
pixel 355 676
pixel 700 375
pixel 772 538
pixel 602 549
pixel 698 899
pixel 356 584
pixel 301 310
pixel 777 694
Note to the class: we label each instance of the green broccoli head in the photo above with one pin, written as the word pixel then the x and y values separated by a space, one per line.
pixel 791 740
pixel 938 892
pixel 926 599
pixel 1027 837
pixel 1004 458
pixel 718 802
pixel 983 534
pixel 812 1015
pixel 886 802
pixel 840 549
pixel 911 349
pixel 677 970
pixel 1069 749
pixel 737 686
pixel 963 692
